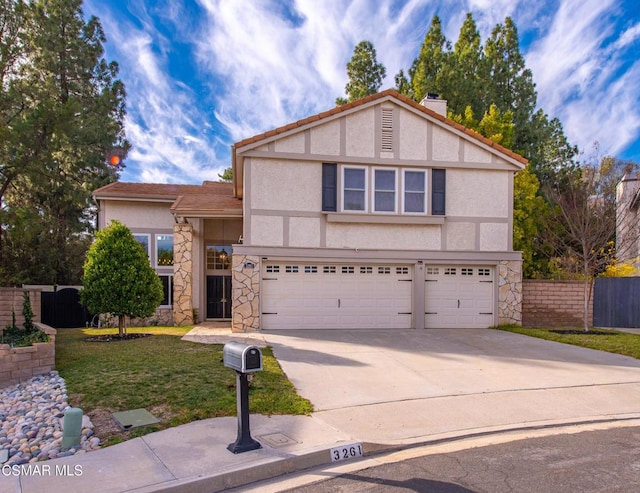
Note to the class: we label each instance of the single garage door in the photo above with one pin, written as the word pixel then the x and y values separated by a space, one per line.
pixel 323 296
pixel 459 297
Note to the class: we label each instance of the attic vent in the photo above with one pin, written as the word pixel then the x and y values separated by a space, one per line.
pixel 387 130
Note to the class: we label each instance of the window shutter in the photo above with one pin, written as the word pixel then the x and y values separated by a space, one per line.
pixel 329 187
pixel 438 192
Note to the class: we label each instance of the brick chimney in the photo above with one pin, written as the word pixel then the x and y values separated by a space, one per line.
pixel 434 103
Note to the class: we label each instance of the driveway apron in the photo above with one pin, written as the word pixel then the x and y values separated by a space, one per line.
pixel 405 385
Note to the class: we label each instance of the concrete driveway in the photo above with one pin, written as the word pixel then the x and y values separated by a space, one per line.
pixel 404 386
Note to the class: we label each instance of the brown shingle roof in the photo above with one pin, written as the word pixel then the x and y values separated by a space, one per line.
pixel 374 97
pixel 208 198
pixel 123 190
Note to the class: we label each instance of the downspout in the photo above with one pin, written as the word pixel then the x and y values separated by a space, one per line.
pixel 234 171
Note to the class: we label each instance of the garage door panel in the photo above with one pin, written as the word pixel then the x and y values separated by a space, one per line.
pixel 324 296
pixel 459 296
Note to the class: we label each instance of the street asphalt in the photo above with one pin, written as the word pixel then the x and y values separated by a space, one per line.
pixel 577 461
pixel 373 391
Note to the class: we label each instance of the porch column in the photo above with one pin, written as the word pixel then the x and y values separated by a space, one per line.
pixel 245 288
pixel 510 292
pixel 182 274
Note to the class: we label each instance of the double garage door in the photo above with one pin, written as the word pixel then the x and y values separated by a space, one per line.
pixel 323 296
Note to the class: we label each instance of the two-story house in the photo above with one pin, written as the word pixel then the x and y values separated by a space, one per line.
pixel 378 213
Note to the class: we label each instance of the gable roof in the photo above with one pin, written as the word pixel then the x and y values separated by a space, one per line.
pixel 387 94
pixel 207 200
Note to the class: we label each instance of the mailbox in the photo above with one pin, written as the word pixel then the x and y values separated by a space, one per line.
pixel 242 357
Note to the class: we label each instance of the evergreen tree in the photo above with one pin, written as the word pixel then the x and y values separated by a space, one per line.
pixel 403 86
pixel 509 83
pixel 426 73
pixel 63 113
pixel 365 73
pixel 118 278
pixel 227 175
pixel 463 74
pixel 529 208
pixel 551 155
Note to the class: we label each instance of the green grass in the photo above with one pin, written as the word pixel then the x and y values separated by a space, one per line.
pixel 611 341
pixel 180 381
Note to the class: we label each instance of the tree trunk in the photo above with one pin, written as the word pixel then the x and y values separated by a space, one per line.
pixel 587 297
pixel 121 329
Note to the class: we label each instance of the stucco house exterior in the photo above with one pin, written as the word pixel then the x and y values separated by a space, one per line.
pixel 378 213
pixel 628 218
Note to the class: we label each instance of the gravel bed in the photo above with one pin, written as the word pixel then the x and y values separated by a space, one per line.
pixel 31 418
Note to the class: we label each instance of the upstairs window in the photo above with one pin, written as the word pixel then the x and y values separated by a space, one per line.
pixel 414 192
pixel 384 195
pixel 383 190
pixel 354 189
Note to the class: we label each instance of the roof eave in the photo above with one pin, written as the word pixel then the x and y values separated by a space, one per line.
pixel 137 198
pixel 281 132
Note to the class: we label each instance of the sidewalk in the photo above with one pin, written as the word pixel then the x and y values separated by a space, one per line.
pixel 194 457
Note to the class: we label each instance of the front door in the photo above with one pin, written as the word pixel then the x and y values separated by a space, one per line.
pixel 218 296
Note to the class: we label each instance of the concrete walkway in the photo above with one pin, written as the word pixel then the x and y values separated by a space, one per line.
pixel 387 390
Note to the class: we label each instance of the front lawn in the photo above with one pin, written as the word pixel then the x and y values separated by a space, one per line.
pixel 611 341
pixel 177 381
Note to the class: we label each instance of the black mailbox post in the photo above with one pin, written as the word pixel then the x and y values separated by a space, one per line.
pixel 244 359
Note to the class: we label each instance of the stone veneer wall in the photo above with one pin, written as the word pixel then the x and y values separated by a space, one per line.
pixel 162 317
pixel 510 293
pixel 183 274
pixel 554 304
pixel 245 292
pixel 21 363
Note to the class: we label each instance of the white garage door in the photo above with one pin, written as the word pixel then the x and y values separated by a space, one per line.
pixel 459 297
pixel 323 296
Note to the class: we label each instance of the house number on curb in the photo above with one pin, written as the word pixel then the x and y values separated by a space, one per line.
pixel 346 452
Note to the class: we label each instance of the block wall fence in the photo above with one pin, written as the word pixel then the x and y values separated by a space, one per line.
pixel 11 301
pixel 554 303
pixel 21 363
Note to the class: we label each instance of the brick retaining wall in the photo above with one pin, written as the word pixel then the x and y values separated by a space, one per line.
pixel 21 363
pixel 554 303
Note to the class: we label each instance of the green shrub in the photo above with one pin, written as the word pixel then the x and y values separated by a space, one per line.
pixel 27 334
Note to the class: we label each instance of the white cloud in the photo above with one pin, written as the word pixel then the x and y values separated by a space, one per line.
pixel 611 118
pixel 164 121
pixel 628 37
pixel 567 56
pixel 262 66
pixel 274 71
pixel 584 77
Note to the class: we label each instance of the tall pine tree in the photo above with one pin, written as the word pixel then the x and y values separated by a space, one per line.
pixel 69 108
pixel 365 73
pixel 427 71
pixel 509 83
pixel 464 78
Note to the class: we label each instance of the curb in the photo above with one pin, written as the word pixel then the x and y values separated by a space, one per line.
pixel 321 457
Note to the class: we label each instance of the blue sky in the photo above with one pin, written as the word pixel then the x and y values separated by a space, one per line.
pixel 203 74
